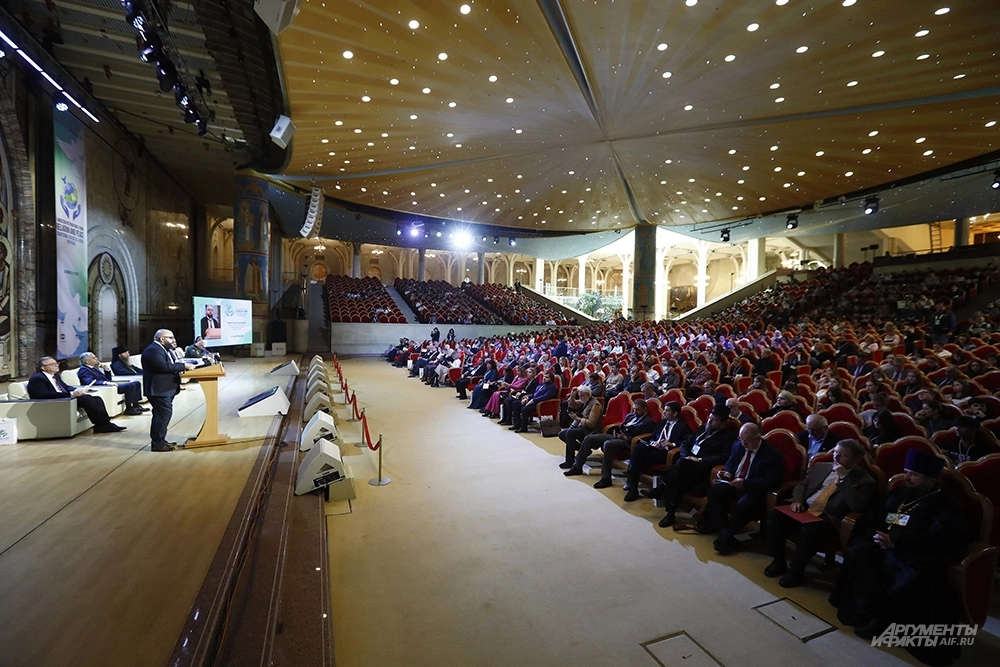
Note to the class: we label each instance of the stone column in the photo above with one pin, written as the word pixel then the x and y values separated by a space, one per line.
pixel 644 280
pixel 839 250
pixel 961 232
pixel 756 258
pixel 540 275
pixel 626 261
pixel 356 260
pixel 701 277
pixel 581 279
pixel 662 285
pixel 422 264
pixel 481 274
pixel 251 241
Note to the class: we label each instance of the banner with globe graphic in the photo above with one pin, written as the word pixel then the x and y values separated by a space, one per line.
pixel 71 236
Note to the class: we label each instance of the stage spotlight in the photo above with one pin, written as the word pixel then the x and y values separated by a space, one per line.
pixel 792 221
pixel 996 180
pixel 724 236
pixel 427 234
pixel 484 238
pixel 871 205
pixel 496 240
pixel 166 73
pixel 414 232
pixel 151 49
pixel 202 127
pixel 61 106
pixel 181 96
pixel 463 239
pixel 399 230
pixel 512 241
pixel 438 233
pixel 191 116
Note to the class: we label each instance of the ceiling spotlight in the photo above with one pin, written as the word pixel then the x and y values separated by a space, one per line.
pixel 996 180
pixel 61 106
pixel 792 221
pixel 438 233
pixel 496 240
pixel 512 241
pixel 724 236
pixel 166 73
pixel 871 205
pixel 399 230
pixel 414 231
pixel 427 234
pixel 484 238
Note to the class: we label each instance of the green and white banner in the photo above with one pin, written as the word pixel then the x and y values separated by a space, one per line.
pixel 71 235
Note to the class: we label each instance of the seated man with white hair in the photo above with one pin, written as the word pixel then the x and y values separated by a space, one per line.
pixel 90 372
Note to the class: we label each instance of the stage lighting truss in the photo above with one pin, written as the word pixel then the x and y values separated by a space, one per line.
pixel 156 47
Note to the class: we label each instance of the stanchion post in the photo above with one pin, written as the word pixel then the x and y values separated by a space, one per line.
pixel 362 442
pixel 380 480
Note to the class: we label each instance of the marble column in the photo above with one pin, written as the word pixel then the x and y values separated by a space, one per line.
pixel 581 279
pixel 644 280
pixel 540 275
pixel 839 250
pixel 756 258
pixel 481 274
pixel 356 260
pixel 701 276
pixel 961 232
pixel 626 261
pixel 422 265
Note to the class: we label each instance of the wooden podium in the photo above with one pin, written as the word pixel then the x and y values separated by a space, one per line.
pixel 208 378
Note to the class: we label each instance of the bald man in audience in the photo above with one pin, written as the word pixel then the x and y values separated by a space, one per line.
pixel 817 437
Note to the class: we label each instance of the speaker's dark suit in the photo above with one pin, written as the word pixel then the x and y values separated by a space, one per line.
pixel 161 381
pixel 855 493
pixel 40 387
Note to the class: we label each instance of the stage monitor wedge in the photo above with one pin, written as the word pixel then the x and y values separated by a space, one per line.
pixel 322 466
pixel 289 368
pixel 321 425
pixel 317 403
pixel 265 404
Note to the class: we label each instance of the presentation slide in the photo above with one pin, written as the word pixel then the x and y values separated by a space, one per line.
pixel 223 321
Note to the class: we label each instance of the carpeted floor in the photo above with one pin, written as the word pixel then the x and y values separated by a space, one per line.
pixel 480 552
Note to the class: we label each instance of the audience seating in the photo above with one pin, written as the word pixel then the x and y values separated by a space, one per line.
pixel 984 474
pixel 891 456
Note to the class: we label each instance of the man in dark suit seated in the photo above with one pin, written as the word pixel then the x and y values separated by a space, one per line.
pixel 524 410
pixel 46 384
pixel 708 448
pixel 90 372
pixel 829 491
pixel 817 437
pixel 671 432
pixel 121 363
pixel 753 470
pixel 618 440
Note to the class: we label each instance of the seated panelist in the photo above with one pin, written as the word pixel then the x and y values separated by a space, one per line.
pixel 46 384
pixel 90 372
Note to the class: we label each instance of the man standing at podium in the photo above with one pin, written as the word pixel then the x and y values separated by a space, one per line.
pixel 161 381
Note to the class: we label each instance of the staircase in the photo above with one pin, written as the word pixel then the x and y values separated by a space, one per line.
pixel 403 306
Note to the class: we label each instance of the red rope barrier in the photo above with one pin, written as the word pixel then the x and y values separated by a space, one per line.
pixel 368 436
pixel 354 401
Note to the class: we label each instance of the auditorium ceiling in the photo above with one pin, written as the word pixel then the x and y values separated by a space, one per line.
pixel 545 117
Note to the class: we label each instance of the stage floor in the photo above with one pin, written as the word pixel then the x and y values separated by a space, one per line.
pixel 104 545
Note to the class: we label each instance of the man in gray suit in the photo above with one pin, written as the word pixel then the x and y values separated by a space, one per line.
pixel 828 492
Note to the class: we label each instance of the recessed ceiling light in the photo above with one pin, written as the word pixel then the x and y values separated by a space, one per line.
pixel 991 123
pixel 878 54
pixel 801 173
pixel 690 3
pixel 413 116
pixel 393 82
pixel 465 9
pixel 338 122
pixel 741 182
pixel 851 84
pixel 923 56
pixel 732 151
pixel 746 167
pixel 775 86
pixel 730 58
pixel 873 133
pixel 781 3
pixel 509 100
pixel 922 33
pixel 774 148
pixel 753 27
pixel 426 91
pixel 414 24
pixel 452 105
pixel 442 56
pixel 802 49
pixel 848 3
pixel 959 76
pixel 366 98
pixel 518 131
pixel 942 11
pixel 357 130
pixel 493 78
pixel 779 100
pixel 348 54
pixel 661 47
pixel 848 173
pixel 866 151
pixel 928 152
pixel 688 107
pixel 324 141
pixel 777 168
pixel 667 75
pixel 819 153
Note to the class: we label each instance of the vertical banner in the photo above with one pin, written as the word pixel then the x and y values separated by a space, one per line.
pixel 71 235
